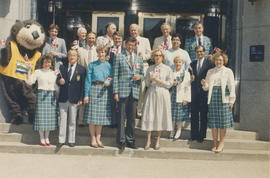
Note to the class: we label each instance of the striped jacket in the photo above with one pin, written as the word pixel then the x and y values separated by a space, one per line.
pixel 123 84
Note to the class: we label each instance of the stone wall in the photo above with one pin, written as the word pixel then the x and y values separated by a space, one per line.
pixel 252 27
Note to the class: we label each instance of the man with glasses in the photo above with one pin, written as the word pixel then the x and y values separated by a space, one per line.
pixel 199 107
pixel 128 74
pixel 176 51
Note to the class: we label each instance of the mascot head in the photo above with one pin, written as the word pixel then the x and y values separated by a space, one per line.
pixel 28 34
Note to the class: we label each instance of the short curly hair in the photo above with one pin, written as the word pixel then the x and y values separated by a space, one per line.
pixel 47 57
pixel 223 55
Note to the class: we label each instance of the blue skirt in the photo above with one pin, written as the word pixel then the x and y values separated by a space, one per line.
pixel 219 114
pixel 180 113
pixel 46 113
pixel 98 110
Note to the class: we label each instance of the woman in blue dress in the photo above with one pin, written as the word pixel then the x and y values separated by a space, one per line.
pixel 97 99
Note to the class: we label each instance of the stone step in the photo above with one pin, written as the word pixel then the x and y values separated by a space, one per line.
pixel 26 128
pixel 163 153
pixel 140 142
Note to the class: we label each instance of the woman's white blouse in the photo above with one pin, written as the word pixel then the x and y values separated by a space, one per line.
pixel 223 77
pixel 46 79
pixel 217 76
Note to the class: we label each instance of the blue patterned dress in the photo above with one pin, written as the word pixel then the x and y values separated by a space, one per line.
pixel 180 113
pixel 46 112
pixel 98 110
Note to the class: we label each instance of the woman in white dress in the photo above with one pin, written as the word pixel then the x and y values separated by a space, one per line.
pixel 157 106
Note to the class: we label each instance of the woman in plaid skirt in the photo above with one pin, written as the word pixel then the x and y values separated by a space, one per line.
pixel 45 114
pixel 219 82
pixel 97 110
pixel 180 96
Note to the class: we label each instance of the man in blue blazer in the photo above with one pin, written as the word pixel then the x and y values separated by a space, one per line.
pixel 198 39
pixel 71 81
pixel 199 107
pixel 128 74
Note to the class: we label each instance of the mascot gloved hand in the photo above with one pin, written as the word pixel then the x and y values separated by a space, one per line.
pixel 22 50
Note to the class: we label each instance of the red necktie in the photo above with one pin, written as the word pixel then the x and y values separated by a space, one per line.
pixel 165 44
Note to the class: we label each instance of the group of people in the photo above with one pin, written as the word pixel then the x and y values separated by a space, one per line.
pixel 106 81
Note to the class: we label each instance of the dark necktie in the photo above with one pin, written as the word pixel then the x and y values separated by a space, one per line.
pixel 70 72
pixel 200 42
pixel 199 66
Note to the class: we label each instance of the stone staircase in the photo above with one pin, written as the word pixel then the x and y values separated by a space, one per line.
pixel 239 145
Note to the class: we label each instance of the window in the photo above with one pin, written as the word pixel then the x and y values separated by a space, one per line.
pixel 101 18
pixel 181 23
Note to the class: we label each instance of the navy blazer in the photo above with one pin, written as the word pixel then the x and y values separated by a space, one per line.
pixel 196 88
pixel 112 55
pixel 72 90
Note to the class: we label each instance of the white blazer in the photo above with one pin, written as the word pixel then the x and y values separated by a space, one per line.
pixel 84 56
pixel 143 46
pixel 227 79
pixel 183 90
pixel 159 42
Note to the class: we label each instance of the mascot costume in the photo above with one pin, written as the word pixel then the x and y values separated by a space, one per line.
pixel 21 53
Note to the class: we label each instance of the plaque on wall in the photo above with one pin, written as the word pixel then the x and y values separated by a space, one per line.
pixel 256 53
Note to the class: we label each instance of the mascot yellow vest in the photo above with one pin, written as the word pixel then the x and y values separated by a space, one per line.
pixel 18 65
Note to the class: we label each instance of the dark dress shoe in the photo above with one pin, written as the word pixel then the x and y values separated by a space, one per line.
pixel 59 145
pixel 121 146
pixel 81 125
pixel 200 140
pixel 132 145
pixel 71 144
pixel 17 121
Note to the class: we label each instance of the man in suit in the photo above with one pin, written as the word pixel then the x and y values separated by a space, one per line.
pixel 198 39
pixel 107 40
pixel 89 53
pixel 55 46
pixel 164 42
pixel 143 49
pixel 117 48
pixel 71 81
pixel 199 107
pixel 128 74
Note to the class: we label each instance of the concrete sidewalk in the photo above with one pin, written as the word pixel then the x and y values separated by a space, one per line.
pixel 65 166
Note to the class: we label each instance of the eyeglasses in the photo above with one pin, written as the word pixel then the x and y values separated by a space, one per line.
pixel 199 51
pixel 156 55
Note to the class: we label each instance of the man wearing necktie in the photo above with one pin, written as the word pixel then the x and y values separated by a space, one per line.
pixel 199 107
pixel 71 82
pixel 198 39
pixel 128 75
pixel 143 49
pixel 116 49
pixel 164 42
